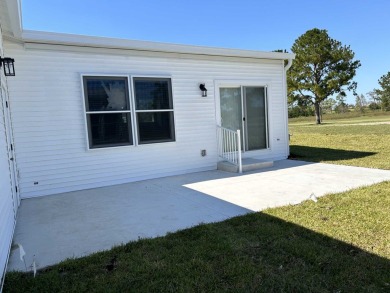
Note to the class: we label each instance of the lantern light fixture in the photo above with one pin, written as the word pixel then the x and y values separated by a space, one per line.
pixel 8 66
pixel 203 89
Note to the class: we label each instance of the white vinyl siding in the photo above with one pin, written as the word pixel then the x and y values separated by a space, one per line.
pixel 49 124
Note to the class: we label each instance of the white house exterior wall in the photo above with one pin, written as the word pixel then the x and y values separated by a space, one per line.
pixel 7 206
pixel 49 124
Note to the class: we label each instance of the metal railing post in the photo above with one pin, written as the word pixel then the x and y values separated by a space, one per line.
pixel 239 151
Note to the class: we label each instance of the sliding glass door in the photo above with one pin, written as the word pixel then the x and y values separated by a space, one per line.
pixel 245 108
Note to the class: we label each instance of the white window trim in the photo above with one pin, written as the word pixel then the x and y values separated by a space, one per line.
pixel 132 111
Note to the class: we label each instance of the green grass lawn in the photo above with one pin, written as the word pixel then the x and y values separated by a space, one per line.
pixel 339 244
pixel 349 117
pixel 338 142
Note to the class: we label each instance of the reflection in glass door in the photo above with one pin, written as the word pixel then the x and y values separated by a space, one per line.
pixel 245 108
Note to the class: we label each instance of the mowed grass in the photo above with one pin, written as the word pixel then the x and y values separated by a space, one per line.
pixel 339 244
pixel 356 142
pixel 349 117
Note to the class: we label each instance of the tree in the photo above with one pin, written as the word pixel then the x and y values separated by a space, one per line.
pixel 341 106
pixel 383 94
pixel 374 98
pixel 360 103
pixel 322 67
pixel 329 104
pixel 375 101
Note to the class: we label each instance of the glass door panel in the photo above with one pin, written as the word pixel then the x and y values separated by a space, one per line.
pixel 255 118
pixel 231 108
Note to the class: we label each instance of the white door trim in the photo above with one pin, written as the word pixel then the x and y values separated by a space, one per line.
pixel 11 147
pixel 241 84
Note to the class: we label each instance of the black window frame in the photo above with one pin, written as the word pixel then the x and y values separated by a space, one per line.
pixel 108 112
pixel 135 129
pixel 169 110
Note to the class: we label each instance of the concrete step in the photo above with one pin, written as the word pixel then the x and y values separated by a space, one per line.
pixel 248 164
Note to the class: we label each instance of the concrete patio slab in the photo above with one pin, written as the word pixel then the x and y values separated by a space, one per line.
pixel 75 224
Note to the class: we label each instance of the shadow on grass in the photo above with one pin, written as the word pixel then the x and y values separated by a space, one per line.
pixel 252 253
pixel 316 154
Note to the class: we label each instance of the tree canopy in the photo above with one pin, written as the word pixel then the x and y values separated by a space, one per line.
pixel 322 67
pixel 383 93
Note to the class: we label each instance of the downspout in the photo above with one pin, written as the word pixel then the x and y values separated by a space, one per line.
pixel 287 134
pixel 288 65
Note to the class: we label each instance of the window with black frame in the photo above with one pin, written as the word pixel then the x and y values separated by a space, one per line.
pixel 108 111
pixel 154 109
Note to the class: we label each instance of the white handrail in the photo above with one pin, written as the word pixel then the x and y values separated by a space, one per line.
pixel 229 146
pixel 239 151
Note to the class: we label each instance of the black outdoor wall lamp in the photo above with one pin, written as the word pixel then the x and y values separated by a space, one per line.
pixel 203 89
pixel 8 66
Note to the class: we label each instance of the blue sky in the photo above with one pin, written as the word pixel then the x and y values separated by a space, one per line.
pixel 244 24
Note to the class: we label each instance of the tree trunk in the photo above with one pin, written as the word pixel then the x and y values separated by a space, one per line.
pixel 317 111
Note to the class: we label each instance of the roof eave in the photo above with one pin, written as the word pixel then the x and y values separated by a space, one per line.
pixel 15 18
pixel 39 37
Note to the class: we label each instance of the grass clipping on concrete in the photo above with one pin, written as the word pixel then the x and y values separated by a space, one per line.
pixel 339 244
